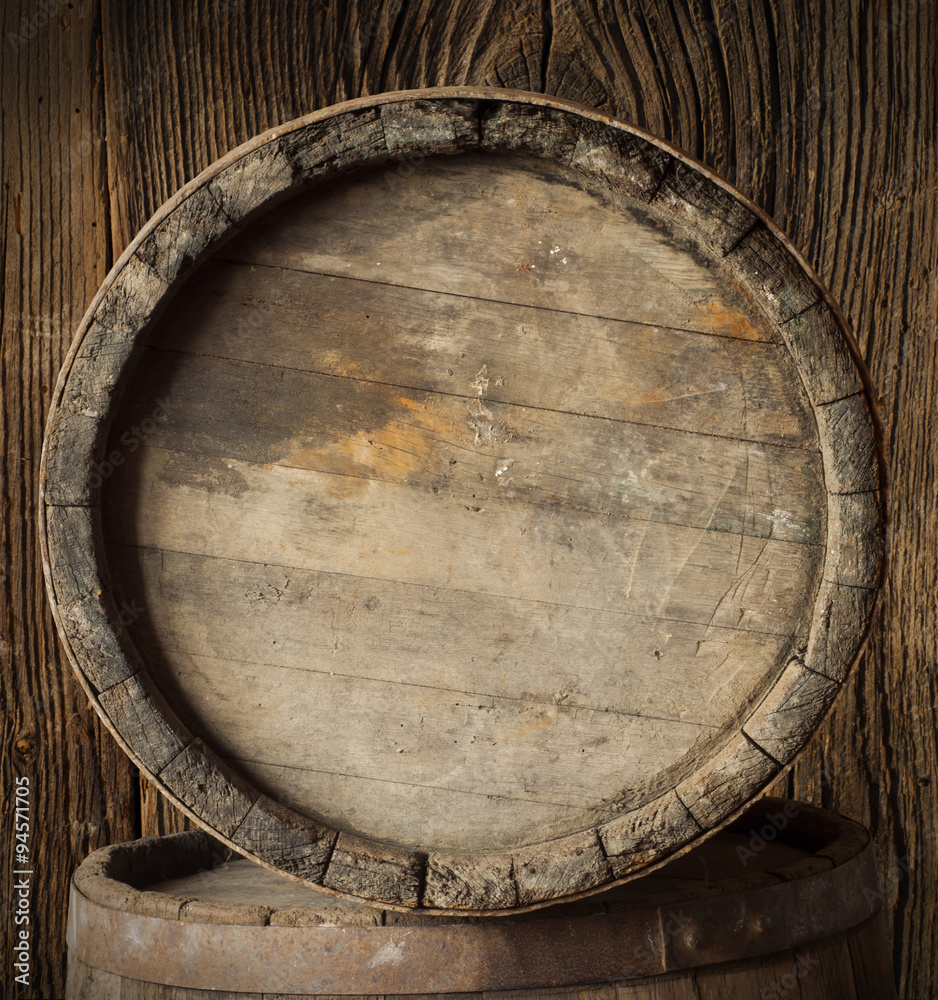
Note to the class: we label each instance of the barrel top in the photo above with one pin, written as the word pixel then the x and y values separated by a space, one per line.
pixel 461 500
pixel 784 874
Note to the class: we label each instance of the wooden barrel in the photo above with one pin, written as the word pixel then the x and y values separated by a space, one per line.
pixel 785 902
pixel 462 500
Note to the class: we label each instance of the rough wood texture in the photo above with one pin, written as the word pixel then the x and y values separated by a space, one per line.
pixel 262 468
pixel 54 252
pixel 653 937
pixel 823 113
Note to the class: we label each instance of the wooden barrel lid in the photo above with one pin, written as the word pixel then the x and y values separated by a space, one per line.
pixel 174 910
pixel 462 500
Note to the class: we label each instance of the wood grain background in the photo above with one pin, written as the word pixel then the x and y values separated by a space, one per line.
pixel 824 114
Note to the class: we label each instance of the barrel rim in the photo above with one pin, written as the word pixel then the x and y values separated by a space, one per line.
pixel 118 929
pixel 252 178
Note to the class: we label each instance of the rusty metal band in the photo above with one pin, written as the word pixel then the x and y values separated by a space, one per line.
pixel 493 954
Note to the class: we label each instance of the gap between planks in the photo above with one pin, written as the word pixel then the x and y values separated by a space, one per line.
pixel 498 302
pixel 533 702
pixel 455 590
pixel 473 399
pixel 578 807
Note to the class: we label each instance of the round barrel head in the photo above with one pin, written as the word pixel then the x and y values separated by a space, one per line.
pixel 462 500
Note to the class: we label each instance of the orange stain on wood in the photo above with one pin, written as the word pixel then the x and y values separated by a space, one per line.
pixel 404 447
pixel 725 321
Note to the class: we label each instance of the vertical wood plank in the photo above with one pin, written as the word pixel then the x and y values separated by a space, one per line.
pixel 770 978
pixel 867 223
pixel 54 252
pixel 870 960
pixel 679 987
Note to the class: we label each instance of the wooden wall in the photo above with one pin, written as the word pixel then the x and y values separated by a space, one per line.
pixel 823 112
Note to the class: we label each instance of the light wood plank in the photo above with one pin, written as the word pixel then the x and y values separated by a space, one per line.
pixel 559 359
pixel 581 560
pixel 438 740
pixel 469 446
pixel 372 629
pixel 366 804
pixel 517 230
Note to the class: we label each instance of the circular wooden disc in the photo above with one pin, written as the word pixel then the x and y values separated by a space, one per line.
pixel 470 530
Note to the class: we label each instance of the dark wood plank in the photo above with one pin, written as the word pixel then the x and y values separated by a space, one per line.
pixel 870 959
pixel 866 219
pixel 55 251
pixel 824 971
pixel 679 987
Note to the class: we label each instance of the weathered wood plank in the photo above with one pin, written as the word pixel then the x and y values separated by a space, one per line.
pixel 54 254
pixel 779 724
pixel 739 764
pixel 141 715
pixel 843 610
pixel 221 798
pixel 573 657
pixel 375 872
pixel 644 832
pixel 370 805
pixel 626 271
pixel 483 882
pixel 453 754
pixel 462 444
pixel 770 977
pixel 820 351
pixel 407 337
pixel 564 560
pixel 849 459
pixel 578 861
pixel 97 625
pixel 292 843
